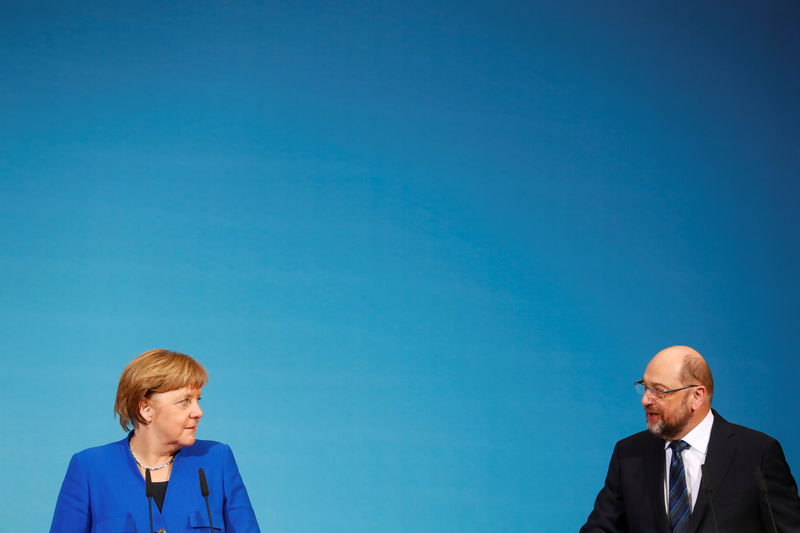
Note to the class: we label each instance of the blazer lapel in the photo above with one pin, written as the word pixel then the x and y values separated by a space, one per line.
pixel 654 472
pixel 701 509
pixel 719 456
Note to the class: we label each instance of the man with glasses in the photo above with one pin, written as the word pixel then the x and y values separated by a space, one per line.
pixel 693 471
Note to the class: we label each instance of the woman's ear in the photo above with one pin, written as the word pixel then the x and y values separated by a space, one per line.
pixel 146 410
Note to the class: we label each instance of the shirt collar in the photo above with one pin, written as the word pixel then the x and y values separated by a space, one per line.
pixel 698 437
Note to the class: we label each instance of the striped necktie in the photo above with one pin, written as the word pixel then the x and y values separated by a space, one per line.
pixel 679 507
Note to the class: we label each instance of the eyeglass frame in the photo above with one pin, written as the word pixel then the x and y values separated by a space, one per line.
pixel 658 394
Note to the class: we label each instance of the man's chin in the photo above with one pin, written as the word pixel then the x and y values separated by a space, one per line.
pixel 656 428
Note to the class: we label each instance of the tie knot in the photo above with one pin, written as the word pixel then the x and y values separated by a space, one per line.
pixel 678 446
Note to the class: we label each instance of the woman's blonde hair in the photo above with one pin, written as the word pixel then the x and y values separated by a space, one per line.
pixel 154 371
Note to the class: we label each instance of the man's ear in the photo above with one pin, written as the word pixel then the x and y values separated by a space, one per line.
pixel 699 396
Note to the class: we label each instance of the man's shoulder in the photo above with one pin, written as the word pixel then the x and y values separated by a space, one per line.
pixel 639 441
pixel 721 428
pixel 724 429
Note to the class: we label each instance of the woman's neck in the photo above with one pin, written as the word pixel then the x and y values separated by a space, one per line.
pixel 147 452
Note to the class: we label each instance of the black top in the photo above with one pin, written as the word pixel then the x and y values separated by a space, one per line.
pixel 159 490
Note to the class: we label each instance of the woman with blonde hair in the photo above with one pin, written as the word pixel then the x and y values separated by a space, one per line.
pixel 194 484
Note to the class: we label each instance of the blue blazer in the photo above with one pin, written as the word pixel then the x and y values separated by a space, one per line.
pixel 103 492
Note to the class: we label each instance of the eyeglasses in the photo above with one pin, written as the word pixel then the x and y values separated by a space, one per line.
pixel 658 394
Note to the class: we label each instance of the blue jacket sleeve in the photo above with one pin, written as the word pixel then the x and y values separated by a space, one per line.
pixel 72 513
pixel 237 511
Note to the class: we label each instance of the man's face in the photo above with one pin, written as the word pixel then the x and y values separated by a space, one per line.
pixel 668 417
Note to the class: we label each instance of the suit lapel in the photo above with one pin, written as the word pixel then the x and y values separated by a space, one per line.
pixel 701 509
pixel 719 456
pixel 654 465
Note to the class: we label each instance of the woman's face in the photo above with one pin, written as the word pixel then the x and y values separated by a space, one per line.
pixel 174 415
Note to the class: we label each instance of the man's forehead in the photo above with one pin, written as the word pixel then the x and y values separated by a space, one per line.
pixel 658 373
pixel 655 382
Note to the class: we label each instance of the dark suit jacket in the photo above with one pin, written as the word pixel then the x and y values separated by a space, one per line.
pixel 632 499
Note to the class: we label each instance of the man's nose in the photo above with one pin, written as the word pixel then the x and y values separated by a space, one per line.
pixel 647 398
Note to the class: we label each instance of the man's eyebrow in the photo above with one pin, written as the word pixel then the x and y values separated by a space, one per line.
pixel 657 384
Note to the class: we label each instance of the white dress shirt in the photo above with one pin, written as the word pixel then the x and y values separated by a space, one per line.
pixel 693 458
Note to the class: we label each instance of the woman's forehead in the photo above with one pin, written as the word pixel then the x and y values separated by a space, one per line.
pixel 191 390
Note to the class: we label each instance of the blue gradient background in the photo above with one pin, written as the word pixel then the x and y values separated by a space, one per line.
pixel 423 248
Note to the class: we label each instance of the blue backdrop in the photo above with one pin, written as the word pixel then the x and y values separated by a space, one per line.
pixel 423 248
